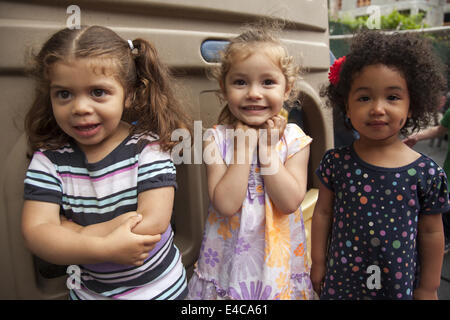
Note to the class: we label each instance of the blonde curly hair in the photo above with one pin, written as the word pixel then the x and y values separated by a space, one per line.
pixel 258 37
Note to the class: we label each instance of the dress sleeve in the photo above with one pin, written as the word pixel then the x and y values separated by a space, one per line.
pixel 435 199
pixel 326 169
pixel 156 169
pixel 295 139
pixel 223 138
pixel 42 182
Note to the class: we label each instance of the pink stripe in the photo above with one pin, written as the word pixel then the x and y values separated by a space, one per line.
pixel 117 172
pixel 151 144
pixel 100 178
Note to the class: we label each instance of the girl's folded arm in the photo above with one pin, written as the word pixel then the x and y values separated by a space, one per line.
pixel 45 237
pixel 101 229
pixel 155 206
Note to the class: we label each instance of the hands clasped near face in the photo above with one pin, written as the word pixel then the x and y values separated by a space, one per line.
pixel 263 138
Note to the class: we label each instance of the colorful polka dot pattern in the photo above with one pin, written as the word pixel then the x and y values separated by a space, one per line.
pixel 375 223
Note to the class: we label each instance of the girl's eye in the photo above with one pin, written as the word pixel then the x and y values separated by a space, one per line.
pixel 63 94
pixel 268 82
pixel 239 82
pixel 393 98
pixel 363 99
pixel 98 93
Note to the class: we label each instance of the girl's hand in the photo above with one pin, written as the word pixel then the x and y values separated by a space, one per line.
pixel 424 294
pixel 249 131
pixel 125 247
pixel 245 139
pixel 274 131
pixel 411 141
pixel 269 135
pixel 317 276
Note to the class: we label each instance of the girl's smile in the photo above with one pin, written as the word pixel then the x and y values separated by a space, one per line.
pixel 87 130
pixel 254 109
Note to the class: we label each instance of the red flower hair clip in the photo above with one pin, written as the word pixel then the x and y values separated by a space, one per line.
pixel 333 75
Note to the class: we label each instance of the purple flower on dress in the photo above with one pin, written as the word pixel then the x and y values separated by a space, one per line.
pixel 211 257
pixel 256 291
pixel 241 246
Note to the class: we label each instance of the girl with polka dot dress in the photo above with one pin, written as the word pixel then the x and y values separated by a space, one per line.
pixel 377 228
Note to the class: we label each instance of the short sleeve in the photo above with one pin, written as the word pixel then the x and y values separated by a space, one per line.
pixel 295 139
pixel 223 138
pixel 435 199
pixel 42 182
pixel 156 169
pixel 326 169
pixel 445 121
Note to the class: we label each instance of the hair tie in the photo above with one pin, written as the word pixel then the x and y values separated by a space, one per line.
pixel 130 44
pixel 335 69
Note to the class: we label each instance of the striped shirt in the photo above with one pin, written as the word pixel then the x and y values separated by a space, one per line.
pixel 90 193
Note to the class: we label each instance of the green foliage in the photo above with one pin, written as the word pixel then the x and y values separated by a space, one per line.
pixel 396 19
pixel 393 21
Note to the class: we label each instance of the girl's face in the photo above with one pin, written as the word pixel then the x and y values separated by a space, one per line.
pixel 378 103
pixel 255 89
pixel 86 103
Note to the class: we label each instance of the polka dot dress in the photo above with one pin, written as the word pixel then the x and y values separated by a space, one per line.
pixel 373 249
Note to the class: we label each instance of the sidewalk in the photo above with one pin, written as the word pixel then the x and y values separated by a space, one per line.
pixel 437 153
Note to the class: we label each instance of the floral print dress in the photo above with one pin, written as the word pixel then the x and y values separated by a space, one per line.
pixel 258 253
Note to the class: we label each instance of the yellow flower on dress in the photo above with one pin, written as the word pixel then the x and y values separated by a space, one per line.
pixel 259 188
pixel 300 250
pixel 277 238
pixel 213 217
pixel 284 284
pixel 226 224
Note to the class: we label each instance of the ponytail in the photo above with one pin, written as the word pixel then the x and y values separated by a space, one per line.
pixel 153 103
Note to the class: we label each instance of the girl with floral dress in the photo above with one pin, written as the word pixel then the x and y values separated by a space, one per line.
pixel 254 244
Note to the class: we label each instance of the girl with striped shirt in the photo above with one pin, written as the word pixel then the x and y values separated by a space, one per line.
pixel 99 190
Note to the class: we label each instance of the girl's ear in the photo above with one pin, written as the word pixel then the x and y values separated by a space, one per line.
pixel 222 86
pixel 128 101
pixel 346 108
pixel 287 92
pixel 222 89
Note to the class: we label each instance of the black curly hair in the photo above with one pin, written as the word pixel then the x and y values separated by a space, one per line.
pixel 411 55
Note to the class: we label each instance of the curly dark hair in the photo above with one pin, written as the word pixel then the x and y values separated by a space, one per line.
pixel 411 55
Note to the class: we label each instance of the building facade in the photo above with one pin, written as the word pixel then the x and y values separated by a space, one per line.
pixel 436 12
